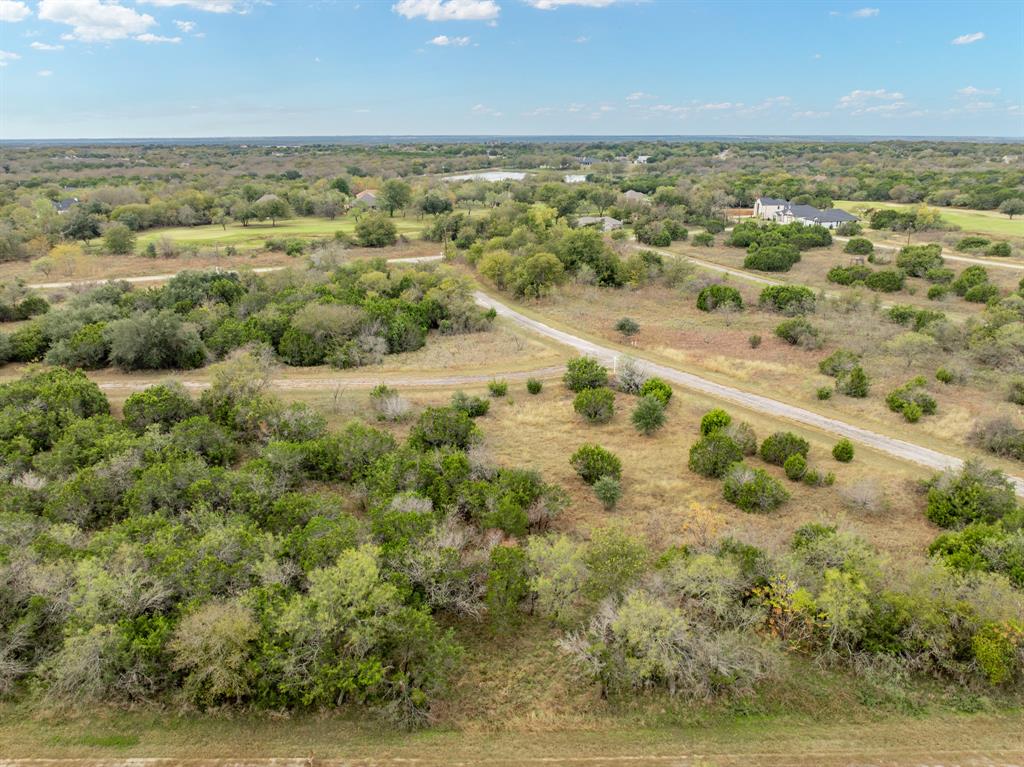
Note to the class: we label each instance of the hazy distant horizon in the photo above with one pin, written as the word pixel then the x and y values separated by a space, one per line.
pixel 499 137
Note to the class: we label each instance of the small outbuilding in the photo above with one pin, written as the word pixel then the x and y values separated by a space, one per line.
pixel 605 223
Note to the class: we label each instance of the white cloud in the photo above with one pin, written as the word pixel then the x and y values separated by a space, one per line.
pixel 448 10
pixel 810 115
pixel 581 40
pixel 210 6
pixel 717 107
pixel 606 108
pixel 970 90
pixel 6 56
pixel 38 46
pixel 550 5
pixel 185 26
pixel 45 73
pixel 487 111
pixel 973 37
pixel 865 13
pixel 93 21
pixel 816 56
pixel 14 10
pixel 149 38
pixel 638 95
pixel 878 101
pixel 444 40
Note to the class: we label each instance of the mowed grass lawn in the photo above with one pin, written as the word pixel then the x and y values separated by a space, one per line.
pixel 981 221
pixel 256 234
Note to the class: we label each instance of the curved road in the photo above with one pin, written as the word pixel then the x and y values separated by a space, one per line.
pixel 898 448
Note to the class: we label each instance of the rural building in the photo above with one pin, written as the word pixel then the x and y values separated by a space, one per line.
pixel 607 223
pixel 786 212
pixel 367 198
pixel 634 196
pixel 642 159
pixel 63 206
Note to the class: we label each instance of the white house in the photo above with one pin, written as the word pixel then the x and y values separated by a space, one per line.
pixel 641 159
pixel 785 212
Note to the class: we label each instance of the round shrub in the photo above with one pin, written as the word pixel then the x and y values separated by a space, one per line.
pixel 942 375
pixel 627 326
pixel 743 435
pixel 795 467
pixel 781 445
pixel 714 420
pixel 584 373
pixel 999 249
pixel 848 275
pixel 938 292
pixel 918 260
pixel 474 407
pixel 969 278
pixel 824 392
pixel 885 281
pixel 649 415
pixel 534 385
pixel 788 299
pixel 754 341
pixel 753 490
pixel 771 258
pixel 596 405
pixel 714 296
pixel 497 388
pixel 608 491
pixel 854 384
pixel 712 455
pixel 842 451
pixel 982 294
pixel 443 427
pixel 657 388
pixel 859 246
pixel 973 494
pixel 972 242
pixel 797 331
pixel 592 462
pixel 163 404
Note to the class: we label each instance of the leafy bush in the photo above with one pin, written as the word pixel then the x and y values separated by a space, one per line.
pixel 584 373
pixel 848 275
pixel 969 278
pixel 795 467
pixel 163 404
pixel 534 385
pixel 999 250
pixel 507 585
pixel 938 292
pixel 859 246
pixel 982 294
pixel 474 407
pixel 592 462
pixel 608 491
pixel 649 415
pixel 754 341
pixel 155 340
pixel 657 388
pixel 917 260
pixel 627 327
pixel 714 296
pixel 823 392
pixel 999 436
pixel 912 400
pixel 375 230
pixel 781 445
pixel 798 331
pixel 885 281
pixel 944 375
pixel 753 490
pixel 842 451
pixel 714 420
pixel 771 258
pixel 855 383
pixel 596 405
pixel 972 494
pixel 788 299
pixel 743 435
pixel 704 239
pixel 443 427
pixel 972 242
pixel 838 363
pixel 712 455
pixel 497 388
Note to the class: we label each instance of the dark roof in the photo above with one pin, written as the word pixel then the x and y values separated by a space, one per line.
pixel 771 201
pixel 810 213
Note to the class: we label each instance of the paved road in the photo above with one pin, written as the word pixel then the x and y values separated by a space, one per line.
pixel 898 448
pixel 890 445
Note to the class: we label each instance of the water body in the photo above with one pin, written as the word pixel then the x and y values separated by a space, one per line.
pixel 489 175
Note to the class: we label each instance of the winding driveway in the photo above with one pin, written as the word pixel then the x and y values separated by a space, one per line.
pixel 898 448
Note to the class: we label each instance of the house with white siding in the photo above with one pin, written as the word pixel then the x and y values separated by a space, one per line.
pixel 785 212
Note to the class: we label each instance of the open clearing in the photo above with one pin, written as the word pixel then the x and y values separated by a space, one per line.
pixel 257 233
pixel 980 221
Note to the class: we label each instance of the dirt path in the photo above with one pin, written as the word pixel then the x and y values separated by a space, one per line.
pixel 1005 264
pixel 898 448
pixel 890 445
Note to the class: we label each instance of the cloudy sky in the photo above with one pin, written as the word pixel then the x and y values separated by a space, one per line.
pixel 133 68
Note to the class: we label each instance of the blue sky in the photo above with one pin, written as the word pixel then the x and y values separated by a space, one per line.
pixel 133 68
